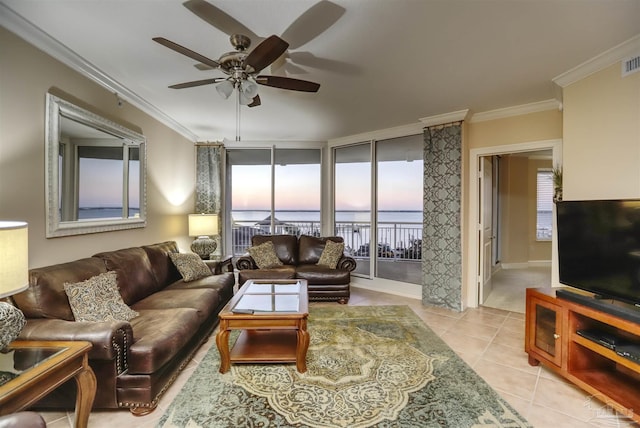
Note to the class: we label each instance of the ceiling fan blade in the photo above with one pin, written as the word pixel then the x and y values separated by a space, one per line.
pixel 256 101
pixel 288 83
pixel 219 19
pixel 197 83
pixel 265 53
pixel 185 51
pixel 312 23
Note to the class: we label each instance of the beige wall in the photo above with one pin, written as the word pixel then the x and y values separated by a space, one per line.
pixel 26 75
pixel 540 126
pixel 518 190
pixel 602 136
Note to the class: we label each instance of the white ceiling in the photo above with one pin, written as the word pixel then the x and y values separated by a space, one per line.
pixel 381 64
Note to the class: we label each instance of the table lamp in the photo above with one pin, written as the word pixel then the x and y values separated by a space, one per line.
pixel 14 277
pixel 202 226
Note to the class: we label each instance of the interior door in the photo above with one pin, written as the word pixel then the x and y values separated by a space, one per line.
pixel 485 227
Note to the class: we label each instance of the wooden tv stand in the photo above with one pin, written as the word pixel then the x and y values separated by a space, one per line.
pixel 551 338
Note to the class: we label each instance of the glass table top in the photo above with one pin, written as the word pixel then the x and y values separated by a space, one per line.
pixel 13 362
pixel 270 297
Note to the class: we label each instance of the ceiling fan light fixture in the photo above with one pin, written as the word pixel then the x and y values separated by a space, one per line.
pixel 249 88
pixel 225 89
pixel 244 99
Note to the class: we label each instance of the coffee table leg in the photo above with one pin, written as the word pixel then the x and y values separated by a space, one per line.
pixel 222 341
pixel 303 346
pixel 86 384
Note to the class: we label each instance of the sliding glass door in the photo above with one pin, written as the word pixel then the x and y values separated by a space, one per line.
pixel 399 172
pixel 352 202
pixel 378 188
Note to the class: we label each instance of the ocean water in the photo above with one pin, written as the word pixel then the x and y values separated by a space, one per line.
pixel 248 218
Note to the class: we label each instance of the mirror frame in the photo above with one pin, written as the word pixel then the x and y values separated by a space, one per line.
pixel 55 108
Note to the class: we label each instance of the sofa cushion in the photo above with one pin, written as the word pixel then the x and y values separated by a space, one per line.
pixel 331 254
pixel 190 266
pixel 45 297
pixel 224 281
pixel 158 336
pixel 163 268
pixel 281 272
pixel 265 255
pixel 204 300
pixel 97 300
pixel 135 278
pixel 286 246
pixel 311 248
pixel 316 274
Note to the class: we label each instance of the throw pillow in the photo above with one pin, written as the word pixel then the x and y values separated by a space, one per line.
pixel 265 255
pixel 97 299
pixel 190 266
pixel 331 254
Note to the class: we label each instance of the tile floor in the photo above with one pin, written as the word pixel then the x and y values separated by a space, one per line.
pixel 490 340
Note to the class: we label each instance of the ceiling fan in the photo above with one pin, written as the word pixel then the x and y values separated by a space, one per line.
pixel 242 68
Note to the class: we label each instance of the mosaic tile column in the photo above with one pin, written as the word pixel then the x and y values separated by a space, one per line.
pixel 441 237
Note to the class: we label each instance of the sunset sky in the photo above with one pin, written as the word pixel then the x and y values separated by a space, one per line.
pixel 399 187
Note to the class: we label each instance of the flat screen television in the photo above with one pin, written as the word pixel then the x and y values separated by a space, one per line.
pixel 599 247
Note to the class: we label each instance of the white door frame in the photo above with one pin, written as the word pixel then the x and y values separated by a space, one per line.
pixel 473 295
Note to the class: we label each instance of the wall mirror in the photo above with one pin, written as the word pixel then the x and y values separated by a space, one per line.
pixel 95 177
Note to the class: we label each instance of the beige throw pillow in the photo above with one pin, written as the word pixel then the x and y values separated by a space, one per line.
pixel 265 255
pixel 331 254
pixel 97 299
pixel 190 266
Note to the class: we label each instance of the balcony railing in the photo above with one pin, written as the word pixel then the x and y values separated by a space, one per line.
pixel 398 241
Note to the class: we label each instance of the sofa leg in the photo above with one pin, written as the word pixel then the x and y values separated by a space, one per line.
pixel 141 411
pixel 343 301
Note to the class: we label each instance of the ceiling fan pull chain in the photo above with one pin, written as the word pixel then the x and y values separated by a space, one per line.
pixel 238 116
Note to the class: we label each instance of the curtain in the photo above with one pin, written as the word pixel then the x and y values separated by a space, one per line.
pixel 209 168
pixel 441 236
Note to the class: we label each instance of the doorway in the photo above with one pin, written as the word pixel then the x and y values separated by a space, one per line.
pixel 505 248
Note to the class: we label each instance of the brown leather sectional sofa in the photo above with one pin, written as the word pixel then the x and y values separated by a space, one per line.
pixel 300 257
pixel 136 361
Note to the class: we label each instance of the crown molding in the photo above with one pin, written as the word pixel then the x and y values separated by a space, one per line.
pixel 502 113
pixel 381 134
pixel 599 62
pixel 441 119
pixel 43 41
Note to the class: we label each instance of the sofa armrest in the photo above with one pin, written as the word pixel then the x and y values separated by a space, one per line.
pixel 346 263
pixel 110 339
pixel 245 262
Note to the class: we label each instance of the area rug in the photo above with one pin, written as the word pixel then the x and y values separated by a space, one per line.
pixel 366 366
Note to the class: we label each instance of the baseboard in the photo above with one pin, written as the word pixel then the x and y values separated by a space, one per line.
pixel 403 289
pixel 524 265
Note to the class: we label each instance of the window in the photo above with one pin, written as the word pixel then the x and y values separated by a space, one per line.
pixel 544 204
pixel 273 191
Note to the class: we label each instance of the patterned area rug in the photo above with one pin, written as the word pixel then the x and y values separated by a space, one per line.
pixel 366 366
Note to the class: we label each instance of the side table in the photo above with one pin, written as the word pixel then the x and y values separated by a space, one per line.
pixel 220 264
pixel 31 369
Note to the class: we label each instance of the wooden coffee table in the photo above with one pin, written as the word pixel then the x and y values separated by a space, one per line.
pixel 32 369
pixel 272 316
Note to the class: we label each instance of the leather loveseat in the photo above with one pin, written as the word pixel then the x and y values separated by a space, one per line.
pixel 134 361
pixel 299 257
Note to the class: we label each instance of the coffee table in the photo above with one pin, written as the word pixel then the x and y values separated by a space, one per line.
pixel 272 316
pixel 31 369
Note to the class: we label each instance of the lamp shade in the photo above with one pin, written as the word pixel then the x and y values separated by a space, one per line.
pixel 203 224
pixel 14 257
